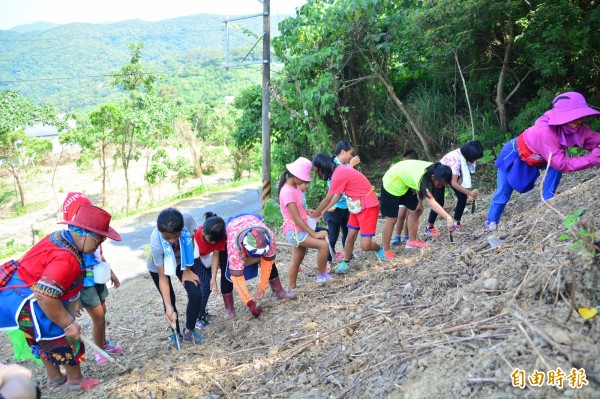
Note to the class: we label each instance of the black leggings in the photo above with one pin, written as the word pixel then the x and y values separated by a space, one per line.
pixel 226 285
pixel 194 294
pixel 461 202
pixel 336 221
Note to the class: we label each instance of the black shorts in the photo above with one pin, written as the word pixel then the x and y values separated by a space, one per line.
pixel 390 203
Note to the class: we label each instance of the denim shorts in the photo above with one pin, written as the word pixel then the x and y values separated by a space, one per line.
pixel 296 237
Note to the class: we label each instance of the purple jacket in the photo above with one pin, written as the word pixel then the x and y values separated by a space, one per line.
pixel 543 139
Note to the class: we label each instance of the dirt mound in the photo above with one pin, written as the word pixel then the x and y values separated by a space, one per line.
pixel 453 320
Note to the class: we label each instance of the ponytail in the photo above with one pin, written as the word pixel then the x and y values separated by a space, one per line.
pixel 282 179
pixel 324 166
pixel 436 171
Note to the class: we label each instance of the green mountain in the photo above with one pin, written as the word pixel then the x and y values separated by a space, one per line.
pixel 34 27
pixel 71 65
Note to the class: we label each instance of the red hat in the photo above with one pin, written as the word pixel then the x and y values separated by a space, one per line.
pixel 94 219
pixel 72 204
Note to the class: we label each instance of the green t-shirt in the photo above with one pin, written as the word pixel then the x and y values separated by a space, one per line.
pixel 403 176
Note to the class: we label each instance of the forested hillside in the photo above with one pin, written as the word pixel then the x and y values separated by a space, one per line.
pixel 70 65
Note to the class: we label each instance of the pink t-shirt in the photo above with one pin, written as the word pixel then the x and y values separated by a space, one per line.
pixel 452 159
pixel 288 195
pixel 354 184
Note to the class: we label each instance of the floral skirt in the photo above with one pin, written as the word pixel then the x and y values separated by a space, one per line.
pixel 58 351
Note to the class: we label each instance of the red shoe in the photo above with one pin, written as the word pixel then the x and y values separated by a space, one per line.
pixel 86 383
pixel 431 231
pixel 416 244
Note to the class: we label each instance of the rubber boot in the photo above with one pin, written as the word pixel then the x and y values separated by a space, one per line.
pixel 228 300
pixel 279 291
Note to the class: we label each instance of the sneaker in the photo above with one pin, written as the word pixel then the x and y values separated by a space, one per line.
pixel 416 244
pixel 380 254
pixel 342 267
pixel 339 255
pixel 396 240
pixel 100 359
pixel 389 255
pixel 300 269
pixel 194 337
pixel 431 231
pixel 202 322
pixel 322 278
pixel 403 239
pixel 111 348
pixel 490 226
pixel 458 227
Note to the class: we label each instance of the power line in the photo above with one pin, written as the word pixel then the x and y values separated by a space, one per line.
pixel 181 75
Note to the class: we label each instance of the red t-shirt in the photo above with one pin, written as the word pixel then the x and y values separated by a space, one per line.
pixel 56 269
pixel 205 247
pixel 354 184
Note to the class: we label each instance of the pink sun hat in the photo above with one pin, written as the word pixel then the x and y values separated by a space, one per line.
pixel 567 107
pixel 300 168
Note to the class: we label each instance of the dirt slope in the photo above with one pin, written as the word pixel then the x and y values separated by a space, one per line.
pixel 421 326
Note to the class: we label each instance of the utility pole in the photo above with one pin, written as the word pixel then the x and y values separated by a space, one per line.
pixel 266 96
pixel 266 105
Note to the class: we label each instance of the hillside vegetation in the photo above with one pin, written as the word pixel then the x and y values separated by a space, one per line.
pixel 70 65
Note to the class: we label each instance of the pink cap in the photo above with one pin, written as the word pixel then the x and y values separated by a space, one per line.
pixel 72 204
pixel 300 168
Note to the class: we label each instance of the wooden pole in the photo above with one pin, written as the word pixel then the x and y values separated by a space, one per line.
pixel 266 126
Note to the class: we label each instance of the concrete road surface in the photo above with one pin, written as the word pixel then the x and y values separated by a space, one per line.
pixel 126 257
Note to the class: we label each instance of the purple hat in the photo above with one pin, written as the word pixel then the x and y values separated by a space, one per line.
pixel 300 168
pixel 567 107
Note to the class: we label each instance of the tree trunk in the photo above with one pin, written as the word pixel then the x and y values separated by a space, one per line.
pixel 500 88
pixel 19 186
pixel 394 97
pixel 104 167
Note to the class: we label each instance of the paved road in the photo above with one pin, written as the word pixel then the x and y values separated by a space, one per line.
pixel 126 257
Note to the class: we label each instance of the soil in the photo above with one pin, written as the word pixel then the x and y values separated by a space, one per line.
pixel 452 320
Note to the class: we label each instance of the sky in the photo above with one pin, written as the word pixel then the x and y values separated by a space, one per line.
pixel 21 12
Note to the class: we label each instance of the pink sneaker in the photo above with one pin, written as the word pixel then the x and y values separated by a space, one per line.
pixel 112 349
pixel 339 255
pixel 100 359
pixel 416 244
pixel 389 255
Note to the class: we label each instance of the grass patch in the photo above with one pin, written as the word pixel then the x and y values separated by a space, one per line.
pixel 11 247
pixel 19 210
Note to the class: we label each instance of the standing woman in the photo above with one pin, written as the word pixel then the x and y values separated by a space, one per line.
pixel 337 218
pixel 37 294
pixel 295 226
pixel 553 133
pixel 362 204
pixel 172 254
pixel 409 183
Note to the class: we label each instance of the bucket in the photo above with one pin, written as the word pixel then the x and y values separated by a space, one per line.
pixel 102 273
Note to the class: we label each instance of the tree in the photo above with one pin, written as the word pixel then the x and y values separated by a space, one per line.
pixel 96 139
pixel 18 152
pixel 143 112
